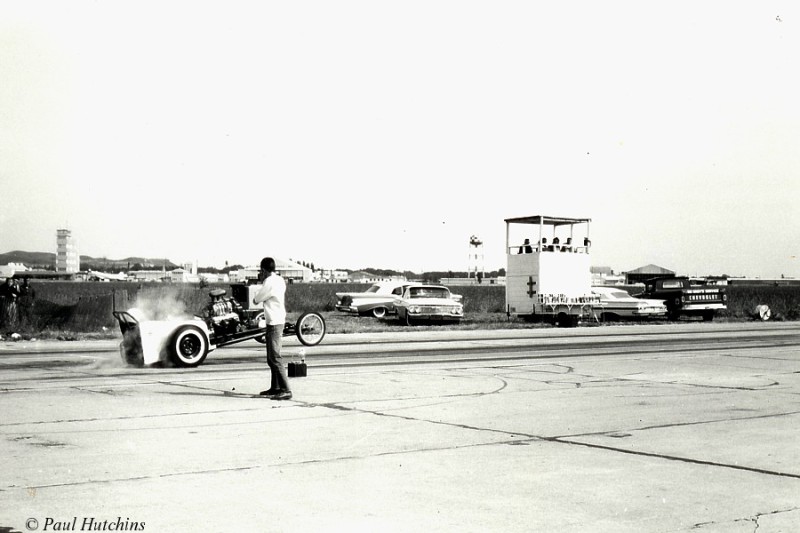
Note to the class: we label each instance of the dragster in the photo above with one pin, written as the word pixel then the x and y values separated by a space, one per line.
pixel 186 342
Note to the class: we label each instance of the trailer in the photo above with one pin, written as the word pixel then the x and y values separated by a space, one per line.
pixel 548 270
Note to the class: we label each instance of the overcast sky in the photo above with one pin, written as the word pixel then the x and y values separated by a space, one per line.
pixel 385 134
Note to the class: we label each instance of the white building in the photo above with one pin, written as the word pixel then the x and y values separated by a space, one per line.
pixel 8 270
pixel 210 277
pixel 67 259
pixel 288 270
pixel 602 275
pixel 332 276
pixel 180 275
pixel 148 275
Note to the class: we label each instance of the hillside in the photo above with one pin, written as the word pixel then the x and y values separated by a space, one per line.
pixel 47 261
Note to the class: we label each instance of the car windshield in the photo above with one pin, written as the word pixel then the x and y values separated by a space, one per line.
pixel 428 292
pixel 374 288
pixel 619 294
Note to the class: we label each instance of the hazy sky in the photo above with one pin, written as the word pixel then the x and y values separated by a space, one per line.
pixel 355 134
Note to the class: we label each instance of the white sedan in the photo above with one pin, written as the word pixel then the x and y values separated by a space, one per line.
pixel 429 303
pixel 616 303
pixel 377 301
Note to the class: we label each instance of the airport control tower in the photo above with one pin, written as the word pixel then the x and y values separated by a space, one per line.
pixel 67 258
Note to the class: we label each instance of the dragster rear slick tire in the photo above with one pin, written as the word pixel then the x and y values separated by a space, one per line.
pixel 188 347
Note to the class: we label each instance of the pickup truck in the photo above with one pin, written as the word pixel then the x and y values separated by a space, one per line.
pixel 684 298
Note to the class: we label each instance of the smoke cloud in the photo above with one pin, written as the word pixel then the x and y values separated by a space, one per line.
pixel 159 315
pixel 164 307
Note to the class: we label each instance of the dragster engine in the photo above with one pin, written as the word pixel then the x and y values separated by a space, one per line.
pixel 223 314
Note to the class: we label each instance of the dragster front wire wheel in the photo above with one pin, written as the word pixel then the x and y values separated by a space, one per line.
pixel 310 328
pixel 262 323
pixel 188 347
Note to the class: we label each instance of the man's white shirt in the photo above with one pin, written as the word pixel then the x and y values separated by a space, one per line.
pixel 272 294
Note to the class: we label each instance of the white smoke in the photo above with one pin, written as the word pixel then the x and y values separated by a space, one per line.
pixel 163 307
pixel 158 315
pixel 107 360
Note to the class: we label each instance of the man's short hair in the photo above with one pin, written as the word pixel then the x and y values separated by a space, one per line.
pixel 268 264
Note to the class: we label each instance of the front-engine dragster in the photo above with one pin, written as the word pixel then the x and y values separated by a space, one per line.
pixel 225 320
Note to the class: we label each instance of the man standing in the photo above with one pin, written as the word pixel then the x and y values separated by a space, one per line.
pixel 272 294
pixel 9 293
pixel 26 296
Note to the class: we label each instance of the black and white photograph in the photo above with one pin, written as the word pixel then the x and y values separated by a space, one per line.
pixel 369 266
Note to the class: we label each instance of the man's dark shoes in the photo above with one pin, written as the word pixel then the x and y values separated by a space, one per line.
pixel 269 392
pixel 282 395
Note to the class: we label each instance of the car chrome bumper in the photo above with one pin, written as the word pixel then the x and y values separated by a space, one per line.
pixel 688 308
pixel 423 316
pixel 654 312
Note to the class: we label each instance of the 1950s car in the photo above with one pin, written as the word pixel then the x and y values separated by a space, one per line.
pixel 616 303
pixel 377 301
pixel 428 303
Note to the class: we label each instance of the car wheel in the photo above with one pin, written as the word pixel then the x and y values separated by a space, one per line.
pixel 406 319
pixel 379 312
pixel 310 328
pixel 563 320
pixel 188 346
pixel 673 313
pixel 263 338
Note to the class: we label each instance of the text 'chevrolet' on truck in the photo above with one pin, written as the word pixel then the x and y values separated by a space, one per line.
pixel 684 298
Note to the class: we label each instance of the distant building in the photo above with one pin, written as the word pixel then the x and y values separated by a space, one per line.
pixel 773 282
pixel 148 275
pixel 243 275
pixel 332 276
pixel 10 269
pixel 642 274
pixel 603 275
pixel 180 275
pixel 210 277
pixel 288 270
pixel 500 280
pixel 67 259
pixel 292 271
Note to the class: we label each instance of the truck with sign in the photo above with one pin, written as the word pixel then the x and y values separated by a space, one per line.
pixel 683 297
pixel 548 271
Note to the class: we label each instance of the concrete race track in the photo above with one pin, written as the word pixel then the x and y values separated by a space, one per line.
pixel 691 427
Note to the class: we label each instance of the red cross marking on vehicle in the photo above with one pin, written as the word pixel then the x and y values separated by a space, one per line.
pixel 530 284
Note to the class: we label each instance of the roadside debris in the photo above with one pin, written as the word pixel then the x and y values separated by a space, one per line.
pixel 762 312
pixel 16 337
